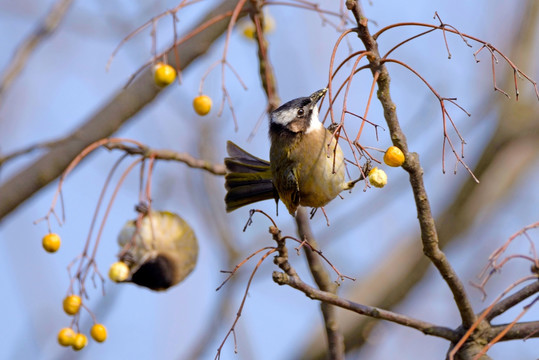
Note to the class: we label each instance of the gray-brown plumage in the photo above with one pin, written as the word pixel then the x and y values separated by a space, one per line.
pixel 306 164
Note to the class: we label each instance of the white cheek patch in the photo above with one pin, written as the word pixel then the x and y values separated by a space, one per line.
pixel 284 117
pixel 315 124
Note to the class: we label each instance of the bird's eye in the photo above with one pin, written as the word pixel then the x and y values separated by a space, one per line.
pixel 301 112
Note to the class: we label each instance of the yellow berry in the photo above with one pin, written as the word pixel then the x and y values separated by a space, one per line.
pixel 394 156
pixel 249 31
pixel 377 178
pixel 164 74
pixel 51 242
pixel 119 271
pixel 202 104
pixel 79 342
pixel 269 23
pixel 72 304
pixel 66 336
pixel 99 332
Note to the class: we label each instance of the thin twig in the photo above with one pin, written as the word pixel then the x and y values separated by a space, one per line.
pixel 31 42
pixel 169 155
pixel 290 277
pixel 107 119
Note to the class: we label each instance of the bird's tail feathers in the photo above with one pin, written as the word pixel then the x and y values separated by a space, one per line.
pixel 248 179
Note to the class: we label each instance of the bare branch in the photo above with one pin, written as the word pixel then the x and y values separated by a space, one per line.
pixel 513 300
pixel 327 297
pixel 429 234
pixel 517 73
pixel 107 120
pixel 322 279
pixel 523 330
pixel 291 278
pixel 42 31
pixel 169 155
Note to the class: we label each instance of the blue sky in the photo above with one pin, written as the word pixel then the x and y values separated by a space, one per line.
pixel 65 81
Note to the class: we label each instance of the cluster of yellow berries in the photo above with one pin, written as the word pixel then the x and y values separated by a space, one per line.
pixel 68 337
pixel 393 157
pixel 72 304
pixel 165 75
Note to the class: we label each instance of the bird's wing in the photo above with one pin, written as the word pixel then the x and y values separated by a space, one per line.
pixel 288 186
pixel 238 155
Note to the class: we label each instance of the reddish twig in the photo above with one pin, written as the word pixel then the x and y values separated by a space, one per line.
pixel 242 304
pixel 516 71
pixel 306 5
pixel 505 330
pixel 152 22
pixel 445 116
pixel 483 315
pixel 199 29
pixel 238 266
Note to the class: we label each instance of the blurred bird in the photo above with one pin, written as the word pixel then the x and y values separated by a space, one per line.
pixel 160 252
pixel 306 164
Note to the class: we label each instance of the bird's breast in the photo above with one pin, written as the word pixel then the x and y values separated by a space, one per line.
pixel 317 162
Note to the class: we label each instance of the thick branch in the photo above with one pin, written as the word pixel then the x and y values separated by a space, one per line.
pixel 324 283
pixel 519 331
pixel 291 278
pixel 107 120
pixel 429 235
pixel 509 152
pixel 513 300
pixel 334 334
pixel 327 297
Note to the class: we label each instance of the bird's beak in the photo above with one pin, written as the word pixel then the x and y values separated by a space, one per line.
pixel 317 95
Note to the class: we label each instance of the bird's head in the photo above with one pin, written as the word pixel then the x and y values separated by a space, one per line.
pixel 297 116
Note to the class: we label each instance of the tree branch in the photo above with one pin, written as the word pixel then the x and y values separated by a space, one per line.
pixel 334 334
pixel 519 331
pixel 42 31
pixel 513 300
pixel 412 165
pixel 324 283
pixel 327 297
pixel 107 120
pixel 510 151
pixel 267 75
pixel 169 155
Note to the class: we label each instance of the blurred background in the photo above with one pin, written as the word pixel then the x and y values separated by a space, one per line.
pixel 373 234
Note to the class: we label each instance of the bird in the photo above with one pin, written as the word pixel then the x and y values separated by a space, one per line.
pixel 306 164
pixel 160 249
